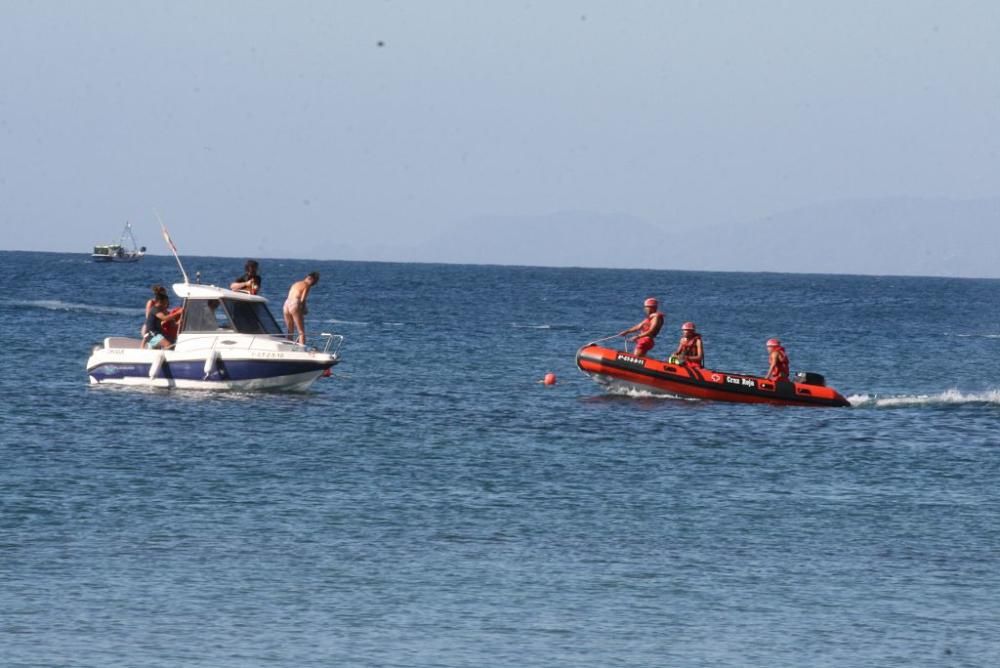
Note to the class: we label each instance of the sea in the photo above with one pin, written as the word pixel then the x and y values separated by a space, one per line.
pixel 433 504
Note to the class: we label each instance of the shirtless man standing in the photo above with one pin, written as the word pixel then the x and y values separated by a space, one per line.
pixel 295 306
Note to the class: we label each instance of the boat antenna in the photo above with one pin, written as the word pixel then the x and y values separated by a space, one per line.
pixel 173 248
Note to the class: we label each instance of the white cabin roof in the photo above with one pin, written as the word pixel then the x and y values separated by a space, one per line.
pixel 199 291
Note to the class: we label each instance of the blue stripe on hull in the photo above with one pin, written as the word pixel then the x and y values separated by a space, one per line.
pixel 237 370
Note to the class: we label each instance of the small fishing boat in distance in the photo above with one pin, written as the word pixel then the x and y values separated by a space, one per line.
pixel 120 252
pixel 616 369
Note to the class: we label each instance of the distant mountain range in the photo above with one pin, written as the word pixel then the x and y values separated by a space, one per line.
pixel 927 237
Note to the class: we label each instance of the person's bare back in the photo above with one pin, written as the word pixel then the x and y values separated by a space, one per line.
pixel 295 308
pixel 299 291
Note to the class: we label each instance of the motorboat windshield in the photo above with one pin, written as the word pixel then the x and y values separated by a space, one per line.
pixel 226 314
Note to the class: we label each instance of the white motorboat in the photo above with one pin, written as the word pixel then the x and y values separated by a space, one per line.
pixel 226 341
pixel 120 252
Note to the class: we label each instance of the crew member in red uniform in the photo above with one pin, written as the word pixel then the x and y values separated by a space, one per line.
pixel 647 329
pixel 691 348
pixel 779 361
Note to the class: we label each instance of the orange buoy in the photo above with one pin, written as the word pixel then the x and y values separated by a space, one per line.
pixel 550 379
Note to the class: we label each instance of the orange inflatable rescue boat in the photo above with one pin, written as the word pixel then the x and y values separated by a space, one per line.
pixel 621 370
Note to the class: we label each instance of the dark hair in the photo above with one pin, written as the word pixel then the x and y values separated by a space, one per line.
pixel 160 291
pixel 313 275
pixel 250 267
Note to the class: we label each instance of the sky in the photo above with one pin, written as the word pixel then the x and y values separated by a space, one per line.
pixel 383 129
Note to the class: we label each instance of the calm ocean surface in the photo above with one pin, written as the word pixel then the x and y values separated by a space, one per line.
pixel 433 505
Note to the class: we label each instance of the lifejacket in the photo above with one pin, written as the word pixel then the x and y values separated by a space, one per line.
pixel 169 327
pixel 652 325
pixel 781 372
pixel 689 348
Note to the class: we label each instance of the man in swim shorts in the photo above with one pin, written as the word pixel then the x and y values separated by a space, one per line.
pixel 295 306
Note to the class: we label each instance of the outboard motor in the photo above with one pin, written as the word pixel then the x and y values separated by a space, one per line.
pixel 809 378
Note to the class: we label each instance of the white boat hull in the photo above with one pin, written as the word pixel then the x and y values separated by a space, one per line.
pixel 131 257
pixel 122 362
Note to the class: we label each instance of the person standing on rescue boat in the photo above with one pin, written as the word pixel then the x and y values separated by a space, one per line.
pixel 779 361
pixel 690 346
pixel 647 329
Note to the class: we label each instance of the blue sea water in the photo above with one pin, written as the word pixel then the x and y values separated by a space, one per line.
pixel 432 504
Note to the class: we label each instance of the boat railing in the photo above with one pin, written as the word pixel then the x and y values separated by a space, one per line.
pixel 330 340
pixel 331 344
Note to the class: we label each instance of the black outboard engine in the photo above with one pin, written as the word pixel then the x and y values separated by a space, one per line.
pixel 809 378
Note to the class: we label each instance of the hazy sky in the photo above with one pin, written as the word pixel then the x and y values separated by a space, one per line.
pixel 315 129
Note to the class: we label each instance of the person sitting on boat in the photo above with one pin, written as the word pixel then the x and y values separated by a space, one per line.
pixel 295 309
pixel 158 291
pixel 647 329
pixel 779 361
pixel 249 281
pixel 172 323
pixel 690 349
pixel 157 317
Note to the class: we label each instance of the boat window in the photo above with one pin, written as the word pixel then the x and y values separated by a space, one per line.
pixel 204 315
pixel 251 317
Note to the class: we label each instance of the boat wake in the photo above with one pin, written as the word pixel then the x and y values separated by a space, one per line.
pixel 526 325
pixel 634 392
pixel 59 305
pixel 334 321
pixel 946 398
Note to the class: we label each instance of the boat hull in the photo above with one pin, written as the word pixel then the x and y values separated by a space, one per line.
pixel 621 370
pixel 96 257
pixel 225 371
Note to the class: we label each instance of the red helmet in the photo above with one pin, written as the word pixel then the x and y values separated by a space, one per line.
pixel 773 343
pixel 651 302
pixel 688 326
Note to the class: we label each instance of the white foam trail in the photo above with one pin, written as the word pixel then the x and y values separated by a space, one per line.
pixel 59 305
pixel 948 397
pixel 346 322
pixel 636 393
pixel 517 326
pixel 621 389
pixel 978 336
